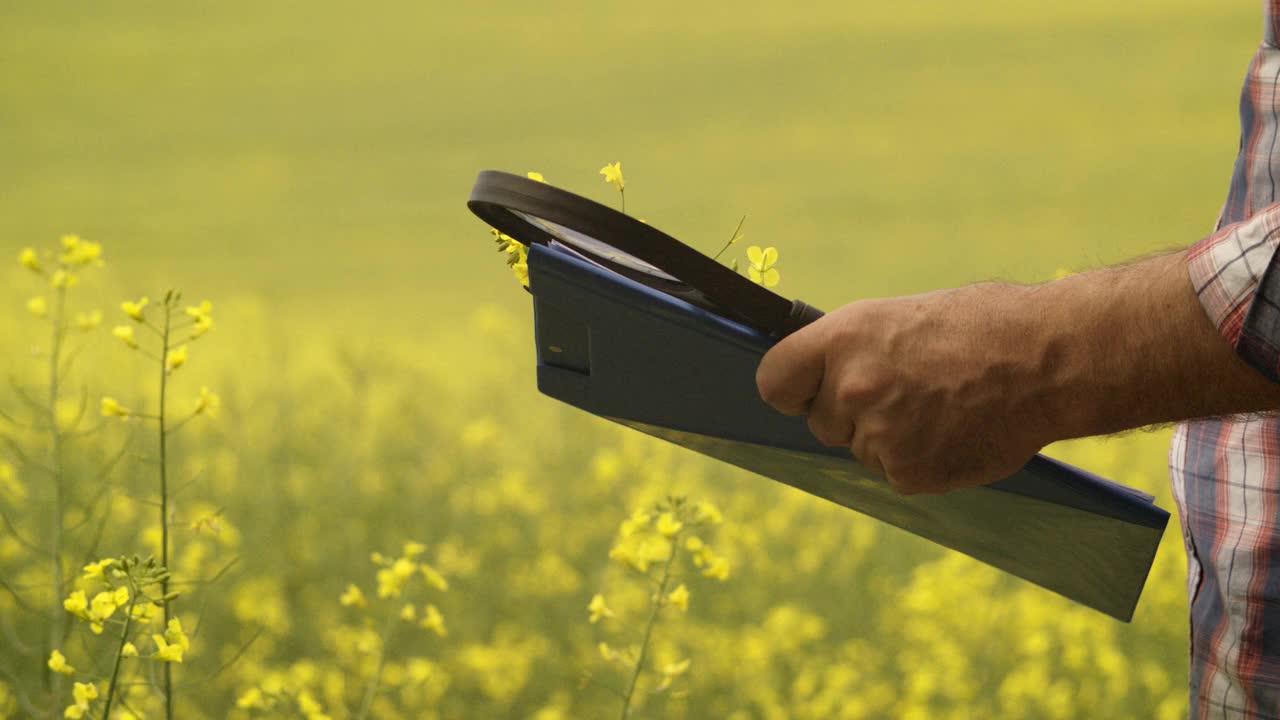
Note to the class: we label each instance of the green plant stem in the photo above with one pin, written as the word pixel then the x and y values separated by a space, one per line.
pixel 623 193
pixel 732 238
pixel 366 704
pixel 57 618
pixel 164 501
pixel 648 628
pixel 115 671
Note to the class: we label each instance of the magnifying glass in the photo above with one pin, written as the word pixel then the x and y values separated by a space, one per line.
pixel 535 212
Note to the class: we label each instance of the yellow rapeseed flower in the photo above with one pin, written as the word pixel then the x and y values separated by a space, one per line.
pixel 414 549
pixel 761 269
pixel 434 578
pixel 671 671
pixel 537 176
pixel 606 652
pixel 58 663
pixel 353 597
pixel 638 521
pixel 83 694
pixel 176 358
pixel 208 403
pixel 613 175
pixel 598 609
pixel 252 699
pixel 129 650
pixel 717 568
pixel 29 259
pixel 135 309
pixel 408 613
pixel 679 597
pixel 77 604
pixel 432 620
pixel 173 633
pixel 668 525
pixel 202 325
pixel 124 334
pixel 166 652
pixel 112 408
pixel 63 280
pixel 80 252
pixel 708 513
pixel 122 596
pixel 38 306
pixel 204 309
pixel 95 570
pixel 88 321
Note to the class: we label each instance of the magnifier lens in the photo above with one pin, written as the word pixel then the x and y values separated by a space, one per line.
pixel 593 248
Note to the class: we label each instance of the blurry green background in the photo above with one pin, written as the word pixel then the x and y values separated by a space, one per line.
pixel 305 166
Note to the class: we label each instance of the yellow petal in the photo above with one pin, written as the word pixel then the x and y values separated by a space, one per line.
pixel 755 255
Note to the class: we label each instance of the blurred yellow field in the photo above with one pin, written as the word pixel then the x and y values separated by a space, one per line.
pixel 356 407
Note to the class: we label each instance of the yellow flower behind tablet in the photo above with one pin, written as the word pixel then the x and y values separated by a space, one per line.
pixel 762 270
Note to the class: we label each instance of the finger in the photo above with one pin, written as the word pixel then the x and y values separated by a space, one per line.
pixel 790 374
pixel 828 420
pixel 860 446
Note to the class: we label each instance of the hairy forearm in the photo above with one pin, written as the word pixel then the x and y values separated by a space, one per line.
pixel 1131 346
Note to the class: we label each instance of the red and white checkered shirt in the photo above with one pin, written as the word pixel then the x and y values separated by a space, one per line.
pixel 1226 472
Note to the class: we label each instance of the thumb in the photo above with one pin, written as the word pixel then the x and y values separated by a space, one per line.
pixel 791 372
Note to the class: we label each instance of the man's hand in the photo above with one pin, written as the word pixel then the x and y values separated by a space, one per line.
pixel 961 387
pixel 935 391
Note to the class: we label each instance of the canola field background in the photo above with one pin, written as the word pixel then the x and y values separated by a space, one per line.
pixel 305 167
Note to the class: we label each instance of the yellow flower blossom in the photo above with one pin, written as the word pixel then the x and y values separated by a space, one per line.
pixel 353 597
pixel 638 521
pixel 88 321
pixel 708 513
pixel 29 259
pixel 176 358
pixel 77 604
pixel 201 326
pixel 95 570
pixel 606 652
pixel 174 634
pixel 166 652
pixel 129 650
pixel 121 596
pixel 58 663
pixel 204 309
pixel 694 544
pixel 598 609
pixel 432 620
pixel 80 252
pixel 761 270
pixel 668 525
pixel 679 598
pixel 671 671
pixel 83 694
pixel 63 280
pixel 112 408
pixel 252 699
pixel 537 176
pixel 124 334
pixel 135 309
pixel 613 175
pixel 208 403
pixel 38 306
pixel 434 578
pixel 408 613
pixel 101 607
pixel 414 549
pixel 717 568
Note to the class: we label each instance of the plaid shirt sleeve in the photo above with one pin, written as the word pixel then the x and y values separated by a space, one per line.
pixel 1236 274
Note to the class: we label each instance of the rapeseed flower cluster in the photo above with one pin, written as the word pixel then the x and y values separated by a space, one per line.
pixel 331 449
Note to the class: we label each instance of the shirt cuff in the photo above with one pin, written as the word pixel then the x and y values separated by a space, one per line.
pixel 1236 274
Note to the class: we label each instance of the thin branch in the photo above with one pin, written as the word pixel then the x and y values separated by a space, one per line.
pixel 22 602
pixel 13 530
